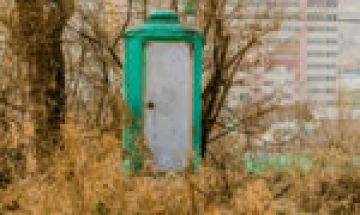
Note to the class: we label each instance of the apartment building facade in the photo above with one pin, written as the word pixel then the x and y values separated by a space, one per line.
pixel 322 52
pixel 303 56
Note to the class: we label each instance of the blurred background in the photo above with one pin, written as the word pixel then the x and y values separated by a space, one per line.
pixel 281 77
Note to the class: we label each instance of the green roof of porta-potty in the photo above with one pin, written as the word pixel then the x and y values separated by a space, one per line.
pixel 162 23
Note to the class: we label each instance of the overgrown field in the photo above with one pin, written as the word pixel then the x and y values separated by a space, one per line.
pixel 85 178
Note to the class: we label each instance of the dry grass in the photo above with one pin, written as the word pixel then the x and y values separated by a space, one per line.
pixel 86 179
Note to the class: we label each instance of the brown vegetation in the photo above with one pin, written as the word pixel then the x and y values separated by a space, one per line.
pixel 83 176
pixel 87 179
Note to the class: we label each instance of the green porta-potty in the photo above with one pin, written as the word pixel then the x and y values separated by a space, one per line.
pixel 162 88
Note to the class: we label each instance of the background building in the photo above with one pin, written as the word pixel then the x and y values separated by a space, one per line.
pixel 321 49
pixel 349 91
pixel 302 61
pixel 302 56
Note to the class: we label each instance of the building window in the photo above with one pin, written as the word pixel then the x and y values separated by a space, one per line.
pixel 322 28
pixel 322 90
pixel 322 3
pixel 322 54
pixel 321 78
pixel 257 90
pixel 244 97
pixel 322 41
pixel 321 66
pixel 321 17
pixel 268 83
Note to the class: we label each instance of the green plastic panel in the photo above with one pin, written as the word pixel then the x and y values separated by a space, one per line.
pixel 301 162
pixel 279 162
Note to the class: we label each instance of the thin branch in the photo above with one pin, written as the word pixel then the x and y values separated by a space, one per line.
pixel 125 25
pixel 95 40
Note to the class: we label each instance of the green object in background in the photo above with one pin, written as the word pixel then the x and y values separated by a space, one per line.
pixel 161 26
pixel 279 162
pixel 304 163
pixel 191 7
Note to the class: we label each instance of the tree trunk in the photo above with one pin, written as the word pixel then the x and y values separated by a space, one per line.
pixel 40 33
pixel 47 96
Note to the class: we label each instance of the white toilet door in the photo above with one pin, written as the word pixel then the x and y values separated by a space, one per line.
pixel 168 104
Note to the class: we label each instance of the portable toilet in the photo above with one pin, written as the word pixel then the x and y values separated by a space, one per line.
pixel 162 89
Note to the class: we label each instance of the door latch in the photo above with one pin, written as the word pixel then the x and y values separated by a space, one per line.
pixel 150 105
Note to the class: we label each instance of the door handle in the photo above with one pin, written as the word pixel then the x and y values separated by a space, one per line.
pixel 150 105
